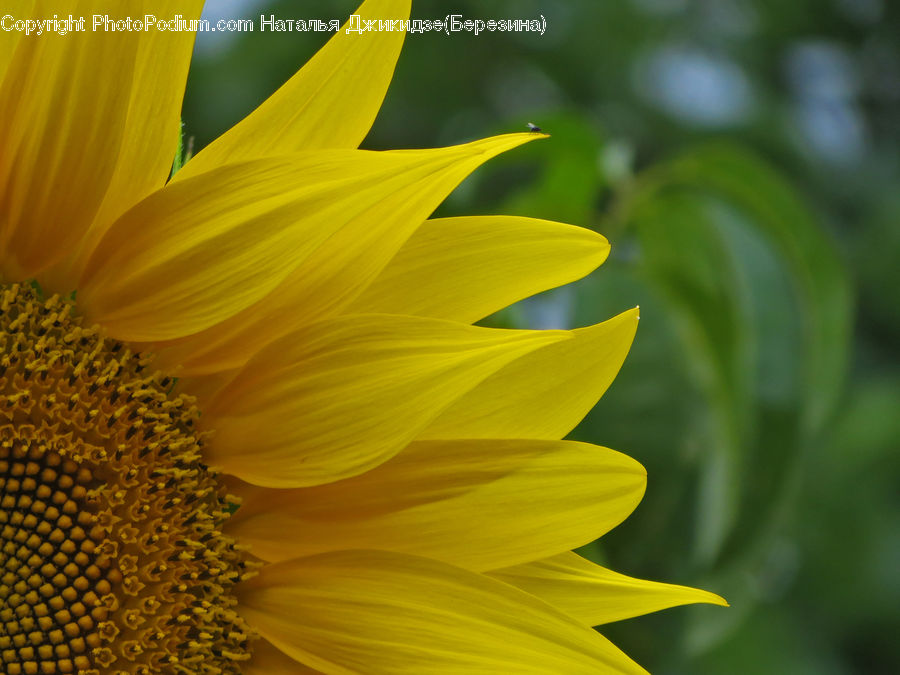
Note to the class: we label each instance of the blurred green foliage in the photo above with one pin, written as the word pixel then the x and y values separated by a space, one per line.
pixel 742 158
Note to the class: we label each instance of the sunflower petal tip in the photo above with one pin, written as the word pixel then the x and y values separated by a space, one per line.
pixel 709 598
pixel 526 136
pixel 633 314
pixel 642 469
pixel 601 242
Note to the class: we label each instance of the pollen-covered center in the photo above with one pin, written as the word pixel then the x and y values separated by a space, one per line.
pixel 112 558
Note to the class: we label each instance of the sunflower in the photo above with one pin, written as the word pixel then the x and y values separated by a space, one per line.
pixel 247 424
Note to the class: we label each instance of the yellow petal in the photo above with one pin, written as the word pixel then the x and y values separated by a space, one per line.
pixel 595 595
pixel 479 504
pixel 330 103
pixel 339 397
pixel 466 268
pixel 61 130
pixel 266 659
pixel 389 613
pixel 205 387
pixel 546 393
pixel 201 250
pixel 339 269
pixel 152 126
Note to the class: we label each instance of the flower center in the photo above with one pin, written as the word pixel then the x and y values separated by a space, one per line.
pixel 112 556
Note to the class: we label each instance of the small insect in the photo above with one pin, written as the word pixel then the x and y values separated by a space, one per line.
pixel 533 127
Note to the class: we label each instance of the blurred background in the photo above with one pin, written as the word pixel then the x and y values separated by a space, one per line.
pixel 743 158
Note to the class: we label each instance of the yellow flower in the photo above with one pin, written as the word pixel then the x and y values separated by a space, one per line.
pixel 406 503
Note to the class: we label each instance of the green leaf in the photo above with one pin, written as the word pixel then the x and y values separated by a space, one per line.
pixel 685 256
pixel 749 183
pixel 179 153
pixel 762 301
